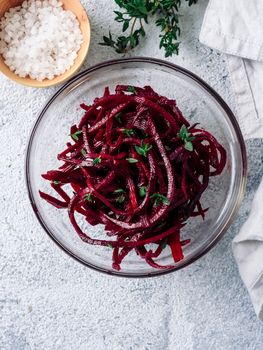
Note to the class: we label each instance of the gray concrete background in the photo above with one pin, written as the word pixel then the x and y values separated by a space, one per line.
pixel 49 301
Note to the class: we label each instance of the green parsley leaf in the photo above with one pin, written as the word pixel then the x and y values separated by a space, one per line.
pixel 76 134
pixel 142 191
pixel 132 160
pixel 159 198
pixel 96 161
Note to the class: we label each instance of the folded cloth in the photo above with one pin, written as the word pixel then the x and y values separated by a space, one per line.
pixel 236 28
pixel 248 251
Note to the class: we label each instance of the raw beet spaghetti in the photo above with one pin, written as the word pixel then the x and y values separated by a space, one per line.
pixel 135 165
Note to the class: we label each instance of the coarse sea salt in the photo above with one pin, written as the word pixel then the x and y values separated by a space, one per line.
pixel 39 39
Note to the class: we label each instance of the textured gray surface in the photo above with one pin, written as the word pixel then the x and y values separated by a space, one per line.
pixel 49 301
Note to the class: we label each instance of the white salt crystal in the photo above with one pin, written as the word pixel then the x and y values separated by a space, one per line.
pixel 50 76
pixel 39 39
pixel 38 3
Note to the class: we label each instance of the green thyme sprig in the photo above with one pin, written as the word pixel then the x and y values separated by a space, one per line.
pixel 131 89
pixel 96 161
pixel 118 117
pixel 135 14
pixel 187 137
pixel 121 195
pixel 128 132
pixel 56 182
pixel 83 152
pixel 142 191
pixel 132 160
pixel 88 197
pixel 143 149
pixel 76 134
pixel 160 199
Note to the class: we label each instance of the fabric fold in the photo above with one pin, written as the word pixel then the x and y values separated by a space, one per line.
pixel 248 252
pixel 236 28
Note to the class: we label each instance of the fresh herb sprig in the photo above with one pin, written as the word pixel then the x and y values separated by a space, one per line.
pixel 118 117
pixel 142 191
pixel 187 137
pixel 56 182
pixel 76 134
pixel 132 160
pixel 121 195
pixel 135 14
pixel 128 132
pixel 160 199
pixel 143 149
pixel 88 197
pixel 83 152
pixel 96 161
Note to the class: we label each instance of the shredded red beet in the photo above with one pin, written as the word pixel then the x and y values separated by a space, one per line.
pixel 136 166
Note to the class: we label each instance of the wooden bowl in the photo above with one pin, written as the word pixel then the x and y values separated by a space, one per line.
pixel 75 7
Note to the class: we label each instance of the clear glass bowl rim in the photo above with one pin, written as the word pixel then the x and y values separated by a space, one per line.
pixel 211 92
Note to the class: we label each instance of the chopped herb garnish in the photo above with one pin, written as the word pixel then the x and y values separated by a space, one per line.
pixel 118 117
pixel 120 199
pixel 128 132
pixel 119 190
pixel 159 198
pixel 164 243
pixel 83 152
pixel 187 137
pixel 189 146
pixel 183 133
pixel 88 197
pixel 144 149
pixel 142 191
pixel 76 134
pixel 110 245
pixel 132 160
pixel 55 182
pixel 131 89
pixel 96 161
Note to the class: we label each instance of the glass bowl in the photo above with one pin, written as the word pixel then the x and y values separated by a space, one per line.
pixel 198 102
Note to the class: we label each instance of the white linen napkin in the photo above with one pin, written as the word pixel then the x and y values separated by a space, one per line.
pixel 236 28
